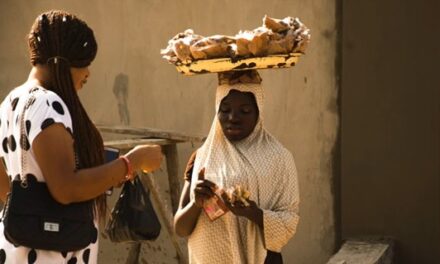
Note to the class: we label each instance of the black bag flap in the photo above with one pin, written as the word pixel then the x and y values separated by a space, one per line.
pixel 36 199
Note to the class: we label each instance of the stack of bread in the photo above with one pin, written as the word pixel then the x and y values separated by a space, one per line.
pixel 276 36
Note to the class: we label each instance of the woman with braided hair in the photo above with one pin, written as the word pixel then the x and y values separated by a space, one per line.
pixel 60 144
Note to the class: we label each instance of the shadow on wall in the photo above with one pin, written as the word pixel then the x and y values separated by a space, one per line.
pixel 120 90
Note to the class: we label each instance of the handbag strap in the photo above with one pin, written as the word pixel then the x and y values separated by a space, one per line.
pixel 29 102
pixel 23 136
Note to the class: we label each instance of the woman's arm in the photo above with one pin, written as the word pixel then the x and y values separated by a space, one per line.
pixel 53 149
pixel 188 213
pixel 186 216
pixel 4 183
pixel 281 220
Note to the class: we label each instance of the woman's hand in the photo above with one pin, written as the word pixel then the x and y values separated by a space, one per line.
pixel 203 190
pixel 145 157
pixel 251 212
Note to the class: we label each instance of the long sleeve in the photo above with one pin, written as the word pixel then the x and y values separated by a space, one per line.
pixel 281 220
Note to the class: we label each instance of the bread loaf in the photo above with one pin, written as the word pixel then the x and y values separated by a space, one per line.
pixel 276 36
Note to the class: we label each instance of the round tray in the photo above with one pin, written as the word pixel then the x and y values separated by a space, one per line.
pixel 228 64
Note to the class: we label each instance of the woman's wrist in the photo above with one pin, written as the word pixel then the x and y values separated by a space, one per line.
pixel 129 175
pixel 193 205
pixel 257 217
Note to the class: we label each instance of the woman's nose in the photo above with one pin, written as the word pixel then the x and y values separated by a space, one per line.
pixel 233 116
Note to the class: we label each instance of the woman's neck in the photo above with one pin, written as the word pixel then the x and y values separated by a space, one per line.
pixel 39 75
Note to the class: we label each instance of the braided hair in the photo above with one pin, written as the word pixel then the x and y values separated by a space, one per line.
pixel 61 40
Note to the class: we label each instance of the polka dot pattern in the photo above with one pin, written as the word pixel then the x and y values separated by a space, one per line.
pixel 11 142
pixel 2 256
pixel 86 255
pixel 14 103
pixel 5 145
pixel 58 107
pixel 73 260
pixel 47 109
pixel 32 256
pixel 47 122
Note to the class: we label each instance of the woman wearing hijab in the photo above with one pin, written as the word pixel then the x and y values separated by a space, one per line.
pixel 239 151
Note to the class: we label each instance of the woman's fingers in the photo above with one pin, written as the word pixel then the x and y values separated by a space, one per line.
pixel 202 174
pixel 201 194
pixel 237 205
pixel 227 202
pixel 201 177
pixel 153 156
pixel 207 184
pixel 145 157
pixel 204 191
pixel 251 203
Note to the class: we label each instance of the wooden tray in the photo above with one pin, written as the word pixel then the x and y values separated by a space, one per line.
pixel 228 64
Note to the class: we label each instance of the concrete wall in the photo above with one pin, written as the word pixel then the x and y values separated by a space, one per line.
pixel 390 125
pixel 301 106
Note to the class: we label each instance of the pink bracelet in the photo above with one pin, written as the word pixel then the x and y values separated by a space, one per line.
pixel 129 175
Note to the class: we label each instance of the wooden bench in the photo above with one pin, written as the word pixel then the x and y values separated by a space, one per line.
pixel 124 138
pixel 364 251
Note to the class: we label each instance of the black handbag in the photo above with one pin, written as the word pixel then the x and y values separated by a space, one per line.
pixel 133 217
pixel 34 219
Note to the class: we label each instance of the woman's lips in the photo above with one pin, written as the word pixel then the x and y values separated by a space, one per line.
pixel 234 131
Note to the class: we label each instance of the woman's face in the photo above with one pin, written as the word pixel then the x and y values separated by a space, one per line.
pixel 238 115
pixel 79 76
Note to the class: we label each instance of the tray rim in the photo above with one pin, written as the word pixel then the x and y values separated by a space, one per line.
pixel 184 68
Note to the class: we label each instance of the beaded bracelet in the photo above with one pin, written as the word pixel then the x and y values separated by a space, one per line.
pixel 129 175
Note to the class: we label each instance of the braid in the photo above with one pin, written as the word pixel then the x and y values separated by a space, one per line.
pixel 60 34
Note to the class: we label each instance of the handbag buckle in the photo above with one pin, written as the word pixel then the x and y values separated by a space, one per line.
pixel 24 184
pixel 51 227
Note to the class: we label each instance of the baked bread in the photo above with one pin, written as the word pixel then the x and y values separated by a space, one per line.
pixel 276 36
pixel 216 46
pixel 178 48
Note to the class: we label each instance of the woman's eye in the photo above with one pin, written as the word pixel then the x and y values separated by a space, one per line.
pixel 246 110
pixel 224 109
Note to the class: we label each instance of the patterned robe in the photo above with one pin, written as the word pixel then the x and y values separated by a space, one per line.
pixel 262 165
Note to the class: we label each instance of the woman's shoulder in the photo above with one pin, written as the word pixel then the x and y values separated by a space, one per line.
pixel 48 101
pixel 45 109
pixel 23 92
pixel 189 166
pixel 14 99
pixel 13 94
pixel 41 92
